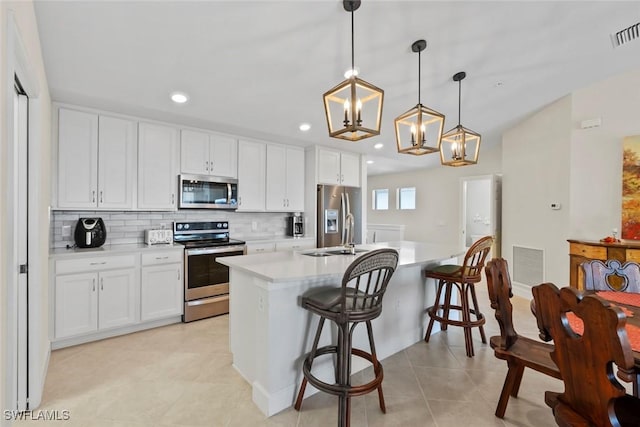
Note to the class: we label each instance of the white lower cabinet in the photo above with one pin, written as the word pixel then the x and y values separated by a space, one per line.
pixel 89 302
pixel 106 295
pixel 161 286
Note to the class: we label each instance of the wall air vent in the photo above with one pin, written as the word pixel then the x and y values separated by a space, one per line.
pixel 528 266
pixel 626 35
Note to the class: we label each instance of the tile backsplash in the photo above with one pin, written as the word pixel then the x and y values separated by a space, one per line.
pixel 128 227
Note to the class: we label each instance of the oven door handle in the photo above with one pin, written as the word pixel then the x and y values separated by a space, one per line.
pixel 217 250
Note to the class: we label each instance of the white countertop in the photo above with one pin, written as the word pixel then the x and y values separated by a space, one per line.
pixel 292 266
pixel 59 253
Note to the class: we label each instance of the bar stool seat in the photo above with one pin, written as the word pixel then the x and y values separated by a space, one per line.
pixel 358 300
pixel 462 277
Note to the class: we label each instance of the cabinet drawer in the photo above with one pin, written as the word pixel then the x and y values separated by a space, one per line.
pixel 66 266
pixel 588 251
pixel 258 248
pixel 295 245
pixel 162 257
pixel 633 255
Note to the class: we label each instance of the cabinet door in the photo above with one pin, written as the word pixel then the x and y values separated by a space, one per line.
pixel 295 180
pixel 117 298
pixel 276 178
pixel 194 152
pixel 76 304
pixel 251 176
pixel 77 159
pixel 350 169
pixel 117 142
pixel 161 292
pixel 328 167
pixel 223 160
pixel 157 167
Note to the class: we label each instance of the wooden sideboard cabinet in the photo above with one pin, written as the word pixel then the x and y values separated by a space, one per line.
pixel 584 250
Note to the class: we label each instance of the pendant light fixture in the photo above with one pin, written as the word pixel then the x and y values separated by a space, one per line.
pixel 460 146
pixel 354 107
pixel 419 130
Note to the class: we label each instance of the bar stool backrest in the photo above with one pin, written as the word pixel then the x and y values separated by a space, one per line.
pixel 474 260
pixel 365 282
pixel 611 276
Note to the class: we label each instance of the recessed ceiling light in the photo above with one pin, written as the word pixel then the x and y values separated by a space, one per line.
pixel 351 72
pixel 499 83
pixel 370 162
pixel 304 127
pixel 378 146
pixel 179 97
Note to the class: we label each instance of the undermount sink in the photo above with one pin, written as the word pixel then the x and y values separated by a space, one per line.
pixel 346 251
pixel 317 254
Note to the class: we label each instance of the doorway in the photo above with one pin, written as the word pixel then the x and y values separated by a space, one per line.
pixel 480 207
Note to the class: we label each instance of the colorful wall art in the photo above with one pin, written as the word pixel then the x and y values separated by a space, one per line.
pixel 631 188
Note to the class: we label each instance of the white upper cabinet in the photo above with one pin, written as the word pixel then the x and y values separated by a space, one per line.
pixel 208 154
pixel 336 168
pixel 117 142
pixel 285 178
pixel 96 161
pixel 251 175
pixel 158 155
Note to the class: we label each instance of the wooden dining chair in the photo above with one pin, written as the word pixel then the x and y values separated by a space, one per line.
pixel 611 275
pixel 589 337
pixel 518 351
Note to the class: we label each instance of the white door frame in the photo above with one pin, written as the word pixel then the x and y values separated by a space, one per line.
pixel 18 65
pixel 463 206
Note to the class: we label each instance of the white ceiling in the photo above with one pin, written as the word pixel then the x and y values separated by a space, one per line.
pixel 259 68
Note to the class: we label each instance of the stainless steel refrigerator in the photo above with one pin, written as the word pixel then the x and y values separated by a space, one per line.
pixel 337 206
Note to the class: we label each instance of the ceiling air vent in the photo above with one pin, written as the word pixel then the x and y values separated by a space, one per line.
pixel 626 35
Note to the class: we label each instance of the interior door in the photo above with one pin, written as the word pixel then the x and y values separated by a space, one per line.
pixel 20 249
pixel 480 207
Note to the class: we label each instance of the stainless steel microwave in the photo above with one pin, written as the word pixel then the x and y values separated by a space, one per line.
pixel 207 192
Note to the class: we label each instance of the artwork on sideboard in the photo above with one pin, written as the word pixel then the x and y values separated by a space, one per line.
pixel 631 187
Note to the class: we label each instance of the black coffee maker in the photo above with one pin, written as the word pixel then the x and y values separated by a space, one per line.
pixel 295 225
pixel 90 233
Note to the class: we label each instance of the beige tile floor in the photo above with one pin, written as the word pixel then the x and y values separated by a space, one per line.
pixel 181 375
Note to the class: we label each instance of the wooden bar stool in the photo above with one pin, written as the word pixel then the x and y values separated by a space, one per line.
pixel 463 277
pixel 358 300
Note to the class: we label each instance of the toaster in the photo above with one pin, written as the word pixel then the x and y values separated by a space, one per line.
pixel 158 237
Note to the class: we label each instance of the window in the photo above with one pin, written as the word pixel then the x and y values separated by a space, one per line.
pixel 380 199
pixel 406 198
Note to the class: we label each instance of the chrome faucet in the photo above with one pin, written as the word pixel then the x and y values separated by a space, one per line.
pixel 347 236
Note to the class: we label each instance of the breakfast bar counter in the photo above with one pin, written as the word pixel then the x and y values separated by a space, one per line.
pixel 269 330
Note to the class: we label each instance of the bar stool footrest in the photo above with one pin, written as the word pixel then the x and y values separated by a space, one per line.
pixel 480 319
pixel 343 389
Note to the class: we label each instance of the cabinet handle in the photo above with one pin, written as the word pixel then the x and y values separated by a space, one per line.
pixel 342 178
pixel 93 196
pixel 206 165
pixel 102 283
pixel 284 203
pixel 179 274
pixel 94 284
pixel 338 178
pixel 162 257
pixel 287 202
pixel 101 198
pixel 239 200
pixel 173 198
pixel 98 263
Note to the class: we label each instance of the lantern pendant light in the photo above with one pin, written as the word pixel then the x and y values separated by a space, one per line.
pixel 460 146
pixel 419 130
pixel 354 107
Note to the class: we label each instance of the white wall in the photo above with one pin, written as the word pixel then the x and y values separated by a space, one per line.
pixel 596 153
pixel 39 171
pixel 437 215
pixel 478 212
pixel 535 166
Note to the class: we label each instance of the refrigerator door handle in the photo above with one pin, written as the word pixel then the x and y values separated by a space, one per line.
pixel 343 208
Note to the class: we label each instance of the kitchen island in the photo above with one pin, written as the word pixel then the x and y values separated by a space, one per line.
pixel 269 332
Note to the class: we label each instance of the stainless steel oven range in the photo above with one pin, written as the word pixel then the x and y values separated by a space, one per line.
pixel 206 281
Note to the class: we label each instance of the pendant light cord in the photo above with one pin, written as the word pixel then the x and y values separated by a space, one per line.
pixel 353 66
pixel 419 65
pixel 459 98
